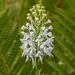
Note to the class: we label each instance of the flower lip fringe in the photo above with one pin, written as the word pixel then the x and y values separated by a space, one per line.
pixel 37 42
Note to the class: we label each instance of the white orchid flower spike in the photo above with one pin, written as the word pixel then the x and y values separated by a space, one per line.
pixel 38 41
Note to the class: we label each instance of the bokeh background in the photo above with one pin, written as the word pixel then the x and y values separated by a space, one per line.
pixel 13 14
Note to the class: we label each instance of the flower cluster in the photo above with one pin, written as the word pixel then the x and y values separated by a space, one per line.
pixel 37 42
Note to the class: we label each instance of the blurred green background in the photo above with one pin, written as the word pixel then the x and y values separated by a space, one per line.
pixel 13 14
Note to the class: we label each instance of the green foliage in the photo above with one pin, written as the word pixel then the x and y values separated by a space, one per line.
pixel 65 28
pixel 63 22
pixel 58 68
pixel 4 25
pixel 0 4
pixel 11 62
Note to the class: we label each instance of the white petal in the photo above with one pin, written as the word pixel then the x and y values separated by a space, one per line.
pixel 38 43
pixel 43 28
pixel 43 45
pixel 23 32
pixel 50 27
pixel 50 34
pixel 37 55
pixel 36 40
pixel 30 27
pixel 22 47
pixel 30 43
pixel 27 58
pixel 31 52
pixel 36 19
pixel 22 40
pixel 32 60
pixel 28 17
pixel 50 55
pixel 23 54
pixel 40 58
pixel 39 52
pixel 23 27
pixel 44 14
pixel 49 21
pixel 27 24
pixel 31 33
pixel 52 37
pixel 50 48
pixel 26 36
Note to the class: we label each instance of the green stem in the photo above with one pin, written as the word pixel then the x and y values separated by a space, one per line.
pixel 37 66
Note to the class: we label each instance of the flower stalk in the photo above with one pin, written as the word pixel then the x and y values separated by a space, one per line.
pixel 37 65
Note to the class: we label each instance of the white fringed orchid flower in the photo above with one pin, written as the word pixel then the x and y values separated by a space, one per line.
pixel 37 42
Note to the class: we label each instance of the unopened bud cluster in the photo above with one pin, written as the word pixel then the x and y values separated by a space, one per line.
pixel 37 42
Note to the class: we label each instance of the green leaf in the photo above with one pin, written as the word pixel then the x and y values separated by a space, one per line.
pixel 9 41
pixel 0 5
pixel 21 67
pixel 14 52
pixel 66 15
pixel 17 65
pixel 65 23
pixel 64 44
pixel 5 21
pixel 63 58
pixel 65 32
pixel 27 65
pixel 57 67
pixel 71 5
